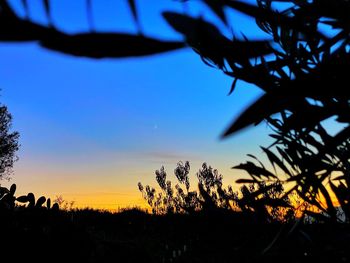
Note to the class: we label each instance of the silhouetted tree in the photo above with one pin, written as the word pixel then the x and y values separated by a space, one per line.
pixel 8 143
pixel 261 200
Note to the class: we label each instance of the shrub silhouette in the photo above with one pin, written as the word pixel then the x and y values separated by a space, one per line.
pixel 264 201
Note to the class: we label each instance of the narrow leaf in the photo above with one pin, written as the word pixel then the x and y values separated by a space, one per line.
pixel 233 86
pixel 286 157
pixel 340 177
pixel 330 207
pixel 108 45
pixel 275 160
pixel 262 108
pixel 255 158
pixel 133 9
pixel 245 181
pixel 218 8
pixel 252 169
pixel 48 11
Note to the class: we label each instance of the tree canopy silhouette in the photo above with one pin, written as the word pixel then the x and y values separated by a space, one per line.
pixel 8 143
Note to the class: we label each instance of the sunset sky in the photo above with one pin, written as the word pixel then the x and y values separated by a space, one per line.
pixel 92 129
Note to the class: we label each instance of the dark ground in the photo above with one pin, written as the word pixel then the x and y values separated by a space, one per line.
pixel 133 236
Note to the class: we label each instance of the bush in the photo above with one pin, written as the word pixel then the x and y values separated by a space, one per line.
pixel 259 199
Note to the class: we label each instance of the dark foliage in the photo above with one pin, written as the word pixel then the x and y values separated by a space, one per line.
pixel 33 230
pixel 90 44
pixel 302 69
pixel 298 62
pixel 42 235
pixel 261 201
pixel 8 143
pixel 315 167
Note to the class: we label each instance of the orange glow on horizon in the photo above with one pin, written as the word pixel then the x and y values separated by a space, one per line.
pixel 107 201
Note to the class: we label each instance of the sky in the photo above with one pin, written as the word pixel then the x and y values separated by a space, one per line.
pixel 90 130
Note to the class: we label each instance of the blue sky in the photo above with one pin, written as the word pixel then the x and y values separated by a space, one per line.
pixel 91 129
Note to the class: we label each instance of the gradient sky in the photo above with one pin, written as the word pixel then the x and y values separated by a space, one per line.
pixel 92 129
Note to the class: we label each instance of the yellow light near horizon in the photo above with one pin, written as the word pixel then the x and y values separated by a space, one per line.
pixel 106 201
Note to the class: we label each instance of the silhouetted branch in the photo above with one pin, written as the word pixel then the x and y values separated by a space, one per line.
pixel 94 45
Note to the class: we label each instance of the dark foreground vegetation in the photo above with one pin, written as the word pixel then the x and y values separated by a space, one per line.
pixel 34 231
pixel 134 236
